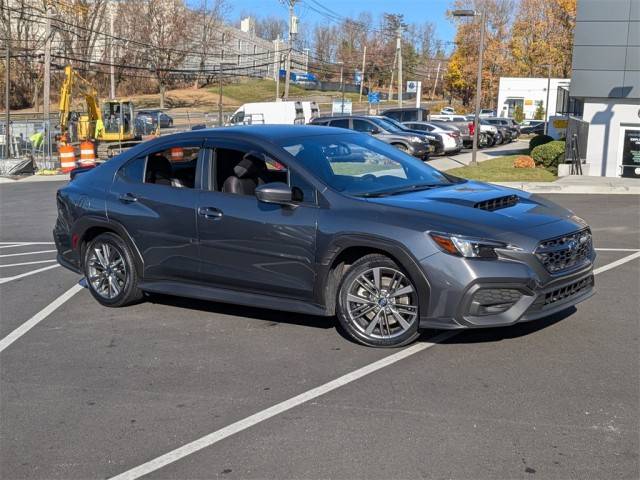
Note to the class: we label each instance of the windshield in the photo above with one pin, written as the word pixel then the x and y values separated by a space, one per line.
pixel 386 124
pixel 396 124
pixel 359 164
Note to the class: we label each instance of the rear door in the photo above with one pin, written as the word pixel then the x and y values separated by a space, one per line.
pixel 158 209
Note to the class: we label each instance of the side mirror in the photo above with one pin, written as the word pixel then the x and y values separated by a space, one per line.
pixel 275 192
pixel 375 131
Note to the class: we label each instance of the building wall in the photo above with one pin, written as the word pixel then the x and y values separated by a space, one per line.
pixel 531 90
pixel 608 120
pixel 606 49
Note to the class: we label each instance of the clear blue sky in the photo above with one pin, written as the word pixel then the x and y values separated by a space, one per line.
pixel 415 11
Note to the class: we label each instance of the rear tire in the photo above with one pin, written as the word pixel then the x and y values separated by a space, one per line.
pixel 110 271
pixel 377 303
pixel 401 147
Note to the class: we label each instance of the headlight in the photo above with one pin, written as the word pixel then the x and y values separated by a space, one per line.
pixel 467 247
pixel 579 220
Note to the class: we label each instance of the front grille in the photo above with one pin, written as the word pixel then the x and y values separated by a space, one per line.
pixel 566 252
pixel 567 291
pixel 497 203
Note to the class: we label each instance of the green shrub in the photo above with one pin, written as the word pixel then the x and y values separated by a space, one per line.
pixel 518 114
pixel 549 155
pixel 539 140
pixel 539 113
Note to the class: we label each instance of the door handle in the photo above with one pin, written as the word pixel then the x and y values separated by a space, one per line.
pixel 211 213
pixel 128 198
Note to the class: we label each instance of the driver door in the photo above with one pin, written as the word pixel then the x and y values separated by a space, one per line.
pixel 253 246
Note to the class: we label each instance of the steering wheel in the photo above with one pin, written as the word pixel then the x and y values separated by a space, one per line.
pixel 368 176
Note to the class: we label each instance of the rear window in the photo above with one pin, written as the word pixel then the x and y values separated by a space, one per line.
pixel 340 123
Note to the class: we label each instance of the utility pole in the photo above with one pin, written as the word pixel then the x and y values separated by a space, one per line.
pixel 399 50
pixel 7 144
pixel 277 58
pixel 220 94
pixel 342 86
pixel 364 57
pixel 306 60
pixel 546 105
pixel 292 29
pixel 393 68
pixel 46 108
pixel 435 84
pixel 112 67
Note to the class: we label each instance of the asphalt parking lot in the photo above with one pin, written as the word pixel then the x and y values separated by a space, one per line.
pixel 178 389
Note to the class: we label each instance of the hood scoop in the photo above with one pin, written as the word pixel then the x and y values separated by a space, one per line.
pixel 497 203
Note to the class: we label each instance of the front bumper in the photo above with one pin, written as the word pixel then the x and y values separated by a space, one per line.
pixel 471 293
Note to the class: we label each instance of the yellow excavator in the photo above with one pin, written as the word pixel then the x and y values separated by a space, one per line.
pixel 111 125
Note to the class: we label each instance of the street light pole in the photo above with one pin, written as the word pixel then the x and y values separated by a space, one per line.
pixel 476 119
pixel 342 86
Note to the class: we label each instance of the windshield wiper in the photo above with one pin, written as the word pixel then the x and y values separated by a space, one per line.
pixel 410 188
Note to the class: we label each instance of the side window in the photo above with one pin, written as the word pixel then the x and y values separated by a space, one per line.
pixel 395 115
pixel 241 171
pixel 410 115
pixel 340 123
pixel 302 190
pixel 363 126
pixel 133 170
pixel 172 167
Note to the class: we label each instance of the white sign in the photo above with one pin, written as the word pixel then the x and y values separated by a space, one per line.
pixel 413 86
pixel 340 108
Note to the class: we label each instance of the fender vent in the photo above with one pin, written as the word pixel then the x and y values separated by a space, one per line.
pixel 497 203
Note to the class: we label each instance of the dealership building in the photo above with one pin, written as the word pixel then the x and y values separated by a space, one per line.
pixel 529 94
pixel 605 87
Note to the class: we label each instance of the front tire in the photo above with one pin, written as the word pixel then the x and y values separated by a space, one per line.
pixel 110 271
pixel 378 303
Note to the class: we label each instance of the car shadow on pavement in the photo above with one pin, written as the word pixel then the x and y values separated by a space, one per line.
pixel 485 335
pixel 242 311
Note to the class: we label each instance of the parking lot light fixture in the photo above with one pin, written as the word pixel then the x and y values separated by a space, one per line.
pixel 476 120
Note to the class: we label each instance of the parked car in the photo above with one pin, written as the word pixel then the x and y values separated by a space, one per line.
pixel 406 114
pixel 412 143
pixel 458 121
pixel 507 123
pixel 487 112
pixel 450 136
pixel 320 221
pixel 532 127
pixel 448 111
pixel 151 117
pixel 504 134
pixel 435 140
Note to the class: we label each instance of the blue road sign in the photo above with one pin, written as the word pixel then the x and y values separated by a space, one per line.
pixel 374 97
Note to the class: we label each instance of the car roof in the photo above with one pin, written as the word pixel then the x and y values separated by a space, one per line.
pixel 263 132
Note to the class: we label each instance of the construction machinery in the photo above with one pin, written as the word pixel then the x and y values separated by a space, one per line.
pixel 110 125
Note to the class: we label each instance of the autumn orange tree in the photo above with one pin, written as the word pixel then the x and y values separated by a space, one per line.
pixel 522 37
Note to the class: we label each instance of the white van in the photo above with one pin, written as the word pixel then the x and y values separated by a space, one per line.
pixel 269 113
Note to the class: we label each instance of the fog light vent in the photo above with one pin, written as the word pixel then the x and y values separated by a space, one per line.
pixel 492 301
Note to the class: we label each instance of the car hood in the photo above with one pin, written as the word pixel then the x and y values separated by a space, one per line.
pixel 468 208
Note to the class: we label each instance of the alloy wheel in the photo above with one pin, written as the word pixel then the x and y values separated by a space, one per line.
pixel 107 271
pixel 382 303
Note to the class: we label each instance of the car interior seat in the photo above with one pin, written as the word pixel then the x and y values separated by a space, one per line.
pixel 158 170
pixel 247 175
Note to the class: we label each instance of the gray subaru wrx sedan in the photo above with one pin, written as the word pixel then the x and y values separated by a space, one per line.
pixel 320 221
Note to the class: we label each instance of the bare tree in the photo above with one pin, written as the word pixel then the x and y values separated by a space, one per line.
pixel 163 35
pixel 209 20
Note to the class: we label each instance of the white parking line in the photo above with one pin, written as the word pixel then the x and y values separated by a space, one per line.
pixel 26 263
pixel 38 317
pixel 245 423
pixel 26 243
pixel 27 274
pixel 277 409
pixel 26 253
pixel 11 246
pixel 617 249
pixel 617 263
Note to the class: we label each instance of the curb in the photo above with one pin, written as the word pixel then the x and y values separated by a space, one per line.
pixel 35 178
pixel 543 187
